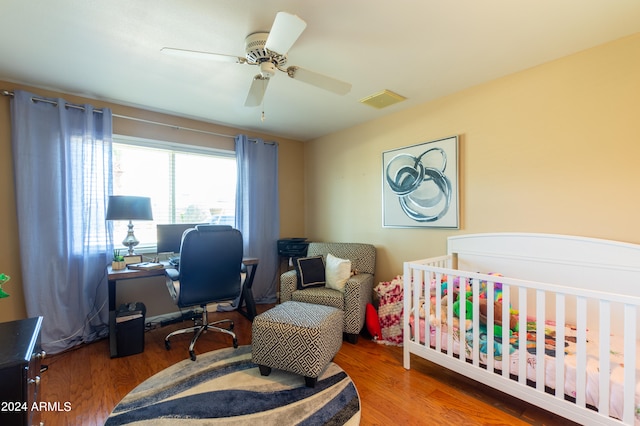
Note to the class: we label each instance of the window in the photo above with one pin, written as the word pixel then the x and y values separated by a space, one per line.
pixel 186 184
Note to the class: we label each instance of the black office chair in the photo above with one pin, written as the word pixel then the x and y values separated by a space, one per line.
pixel 210 271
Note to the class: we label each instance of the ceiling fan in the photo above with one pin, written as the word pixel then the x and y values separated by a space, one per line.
pixel 269 50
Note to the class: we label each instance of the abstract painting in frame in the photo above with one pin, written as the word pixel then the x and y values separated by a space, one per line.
pixel 420 185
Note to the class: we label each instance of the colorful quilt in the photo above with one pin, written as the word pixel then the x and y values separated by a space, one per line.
pixel 550 348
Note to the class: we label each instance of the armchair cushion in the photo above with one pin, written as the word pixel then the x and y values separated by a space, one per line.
pixel 311 272
pixel 337 272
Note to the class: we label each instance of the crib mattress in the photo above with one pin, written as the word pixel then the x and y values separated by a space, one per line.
pixel 551 346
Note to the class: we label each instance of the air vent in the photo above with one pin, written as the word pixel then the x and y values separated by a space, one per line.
pixel 382 99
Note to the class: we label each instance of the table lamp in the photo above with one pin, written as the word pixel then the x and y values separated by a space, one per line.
pixel 126 207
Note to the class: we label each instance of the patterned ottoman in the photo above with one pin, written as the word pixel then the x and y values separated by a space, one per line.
pixel 298 337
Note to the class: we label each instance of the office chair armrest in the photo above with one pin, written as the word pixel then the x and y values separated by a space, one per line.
pixel 173 283
pixel 173 274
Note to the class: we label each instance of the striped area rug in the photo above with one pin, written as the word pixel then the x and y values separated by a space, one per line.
pixel 224 387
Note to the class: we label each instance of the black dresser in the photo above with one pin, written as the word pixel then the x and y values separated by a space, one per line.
pixel 20 357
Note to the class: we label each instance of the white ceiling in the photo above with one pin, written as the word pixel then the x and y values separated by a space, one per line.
pixel 421 49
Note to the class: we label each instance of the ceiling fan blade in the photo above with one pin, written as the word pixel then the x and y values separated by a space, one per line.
pixel 257 91
pixel 202 55
pixel 285 31
pixel 319 80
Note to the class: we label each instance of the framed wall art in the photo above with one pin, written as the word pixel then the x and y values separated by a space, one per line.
pixel 420 185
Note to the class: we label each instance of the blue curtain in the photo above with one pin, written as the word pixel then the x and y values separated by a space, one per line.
pixel 258 212
pixel 62 162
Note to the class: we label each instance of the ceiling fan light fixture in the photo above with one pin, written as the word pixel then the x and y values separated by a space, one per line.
pixel 267 69
pixel 382 99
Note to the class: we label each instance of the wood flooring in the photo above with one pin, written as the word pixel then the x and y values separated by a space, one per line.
pixel 93 383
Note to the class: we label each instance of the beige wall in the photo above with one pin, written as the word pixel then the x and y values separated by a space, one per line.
pixel 290 183
pixel 552 149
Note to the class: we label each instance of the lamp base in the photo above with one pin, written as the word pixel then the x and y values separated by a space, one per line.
pixel 130 240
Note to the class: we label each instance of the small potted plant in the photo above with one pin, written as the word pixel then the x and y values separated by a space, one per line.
pixel 118 261
pixel 3 279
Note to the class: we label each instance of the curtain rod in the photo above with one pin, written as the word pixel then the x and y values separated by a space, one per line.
pixel 173 126
pixel 126 117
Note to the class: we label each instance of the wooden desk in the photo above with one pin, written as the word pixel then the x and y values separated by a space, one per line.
pixel 246 297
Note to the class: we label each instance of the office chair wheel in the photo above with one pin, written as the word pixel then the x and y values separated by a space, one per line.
pixel 167 344
pixel 193 355
pixel 235 343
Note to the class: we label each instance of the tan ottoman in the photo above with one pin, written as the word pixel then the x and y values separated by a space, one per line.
pixel 298 337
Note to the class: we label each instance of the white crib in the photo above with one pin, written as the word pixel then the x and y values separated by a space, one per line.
pixel 583 292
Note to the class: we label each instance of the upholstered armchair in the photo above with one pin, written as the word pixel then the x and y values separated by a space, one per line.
pixel 358 289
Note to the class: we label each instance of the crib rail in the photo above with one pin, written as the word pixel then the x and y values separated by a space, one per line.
pixel 446 337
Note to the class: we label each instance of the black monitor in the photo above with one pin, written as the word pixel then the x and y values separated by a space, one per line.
pixel 170 236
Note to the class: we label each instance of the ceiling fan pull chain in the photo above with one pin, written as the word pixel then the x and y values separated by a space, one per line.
pixel 264 89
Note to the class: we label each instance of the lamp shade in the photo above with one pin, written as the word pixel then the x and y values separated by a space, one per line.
pixel 126 207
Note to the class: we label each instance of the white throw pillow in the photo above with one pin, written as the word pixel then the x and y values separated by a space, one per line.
pixel 337 272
